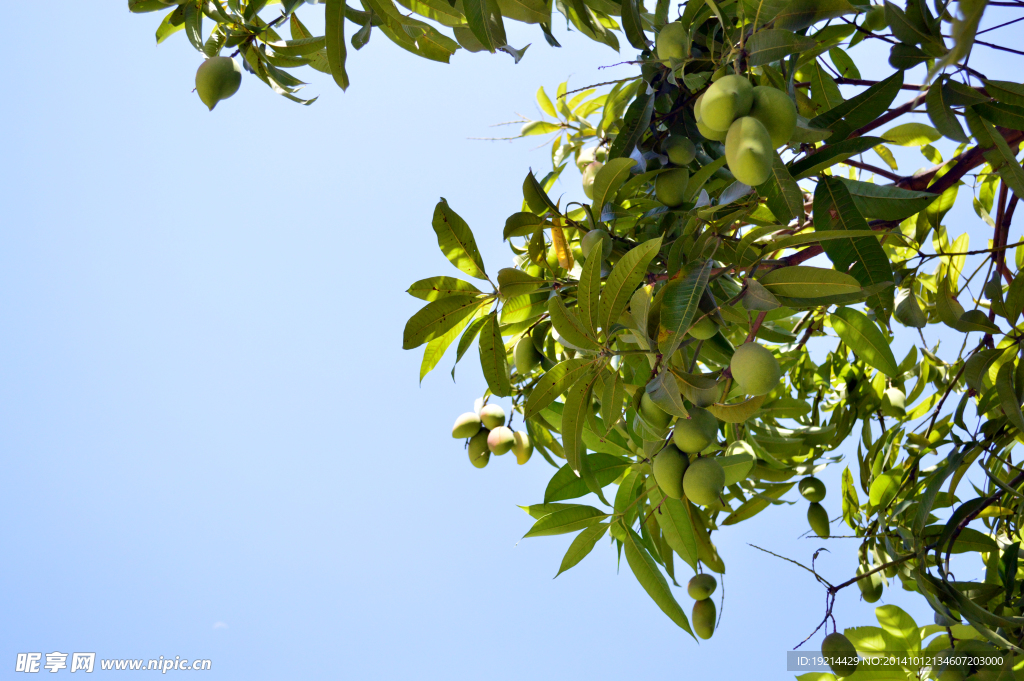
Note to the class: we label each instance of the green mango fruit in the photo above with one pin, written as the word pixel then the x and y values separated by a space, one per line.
pixel 812 489
pixel 670 186
pixel 754 368
pixel 776 112
pixel 695 433
pixel 492 415
pixel 500 440
pixel 592 239
pixel 894 403
pixel 522 447
pixel 703 618
pixel 749 151
pixel 704 481
pixel 653 414
pixel 871 586
pixel 874 19
pixel 709 134
pixel 844 656
pixel 467 425
pixel 589 174
pixel 669 466
pixel 670 43
pixel 680 150
pixel 479 454
pixel 728 98
pixel 589 155
pixel 526 356
pixel 701 586
pixel 704 329
pixel 217 78
pixel 817 517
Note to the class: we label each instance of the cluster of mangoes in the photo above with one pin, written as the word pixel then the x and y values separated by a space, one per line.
pixel 700 589
pixel 753 121
pixel 217 78
pixel 488 435
pixel 757 372
pixel 813 490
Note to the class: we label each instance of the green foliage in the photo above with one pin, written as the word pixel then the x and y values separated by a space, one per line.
pixel 694 291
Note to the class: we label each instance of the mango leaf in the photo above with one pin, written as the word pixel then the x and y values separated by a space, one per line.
pixel 569 327
pixel 484 18
pixel 334 19
pixel 194 24
pixel 885 202
pixel 538 511
pixel 566 520
pixel 565 484
pixel 863 257
pixel 436 318
pixel 783 194
pixel 536 197
pixel 492 357
pixel 434 288
pixel 436 348
pixel 581 546
pixel 681 301
pixel 522 308
pixel 467 339
pixel 768 45
pixel 523 224
pixel 635 123
pixel 588 295
pixel 554 382
pixel 799 14
pixel 865 339
pixel 574 414
pixel 675 524
pixel 911 135
pixel 808 282
pixel 830 154
pixel 1010 171
pixel 514 282
pixel 627 274
pixel 752 507
pixel 942 116
pixel 651 579
pixel 1008 399
pixel 976 368
pixel 860 110
pixel 609 179
pixel 739 412
pixel 632 24
pixel 737 466
pixel 456 241
pixel 900 626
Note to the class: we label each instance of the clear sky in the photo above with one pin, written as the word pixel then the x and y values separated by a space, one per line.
pixel 212 443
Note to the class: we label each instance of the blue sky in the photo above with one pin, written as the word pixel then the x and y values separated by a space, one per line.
pixel 213 445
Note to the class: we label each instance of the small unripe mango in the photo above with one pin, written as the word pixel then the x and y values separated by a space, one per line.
pixel 728 98
pixel 704 481
pixel 749 151
pixel 467 425
pixel 812 489
pixel 837 646
pixel 870 586
pixel 669 466
pixel 776 112
pixel 755 368
pixel 217 78
pixel 500 440
pixel 670 43
pixel 694 434
pixel 817 517
pixel 653 414
pixel 704 329
pixel 522 447
pixel 592 239
pixel 526 356
pixel 589 155
pixel 680 150
pixel 701 586
pixel 589 174
pixel 874 19
pixel 703 618
pixel 492 415
pixel 479 454
pixel 670 186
